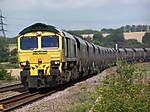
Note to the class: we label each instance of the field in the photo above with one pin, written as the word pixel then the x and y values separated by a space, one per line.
pixel 12 46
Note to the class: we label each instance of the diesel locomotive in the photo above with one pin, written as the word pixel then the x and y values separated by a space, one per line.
pixel 49 56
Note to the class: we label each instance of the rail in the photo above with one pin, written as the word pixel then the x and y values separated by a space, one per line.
pixel 10 87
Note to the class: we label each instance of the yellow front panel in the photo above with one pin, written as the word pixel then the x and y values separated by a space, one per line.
pixel 46 56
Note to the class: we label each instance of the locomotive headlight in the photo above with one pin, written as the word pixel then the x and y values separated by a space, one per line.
pixel 25 64
pixel 55 62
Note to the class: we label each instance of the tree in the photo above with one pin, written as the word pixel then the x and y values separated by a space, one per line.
pixel 104 30
pixel 132 43
pixel 116 36
pixel 97 37
pixel 4 52
pixel 146 39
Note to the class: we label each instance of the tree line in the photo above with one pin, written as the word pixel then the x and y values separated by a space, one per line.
pixel 115 36
pixel 129 28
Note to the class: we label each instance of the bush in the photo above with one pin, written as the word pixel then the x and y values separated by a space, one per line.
pixel 4 75
pixel 125 92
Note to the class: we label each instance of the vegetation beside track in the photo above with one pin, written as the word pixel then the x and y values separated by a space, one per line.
pixel 126 91
pixel 4 75
pixel 8 58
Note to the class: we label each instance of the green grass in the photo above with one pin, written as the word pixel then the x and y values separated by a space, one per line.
pixel 146 67
pixel 4 75
pixel 83 103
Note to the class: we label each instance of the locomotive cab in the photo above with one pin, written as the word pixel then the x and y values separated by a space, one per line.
pixel 39 56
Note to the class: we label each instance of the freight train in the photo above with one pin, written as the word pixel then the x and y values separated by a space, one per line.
pixel 49 56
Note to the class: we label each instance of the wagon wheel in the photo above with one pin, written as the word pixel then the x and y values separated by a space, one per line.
pixel 25 82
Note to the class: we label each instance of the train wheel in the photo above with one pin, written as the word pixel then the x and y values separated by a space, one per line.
pixel 62 78
pixel 74 73
pixel 32 90
pixel 85 71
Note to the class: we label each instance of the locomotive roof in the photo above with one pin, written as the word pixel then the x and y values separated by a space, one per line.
pixel 39 27
pixel 68 35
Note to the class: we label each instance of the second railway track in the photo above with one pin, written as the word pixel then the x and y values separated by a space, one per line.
pixel 11 87
pixel 22 99
pixel 27 97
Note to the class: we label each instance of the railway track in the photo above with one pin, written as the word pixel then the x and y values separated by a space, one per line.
pixel 11 87
pixel 22 99
pixel 27 97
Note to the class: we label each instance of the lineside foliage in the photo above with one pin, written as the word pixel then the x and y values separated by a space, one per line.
pixel 125 91
pixel 4 75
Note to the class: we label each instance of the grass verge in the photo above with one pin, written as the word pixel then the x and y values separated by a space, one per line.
pixel 4 75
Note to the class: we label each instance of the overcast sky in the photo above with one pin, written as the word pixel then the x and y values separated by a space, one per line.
pixel 74 14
